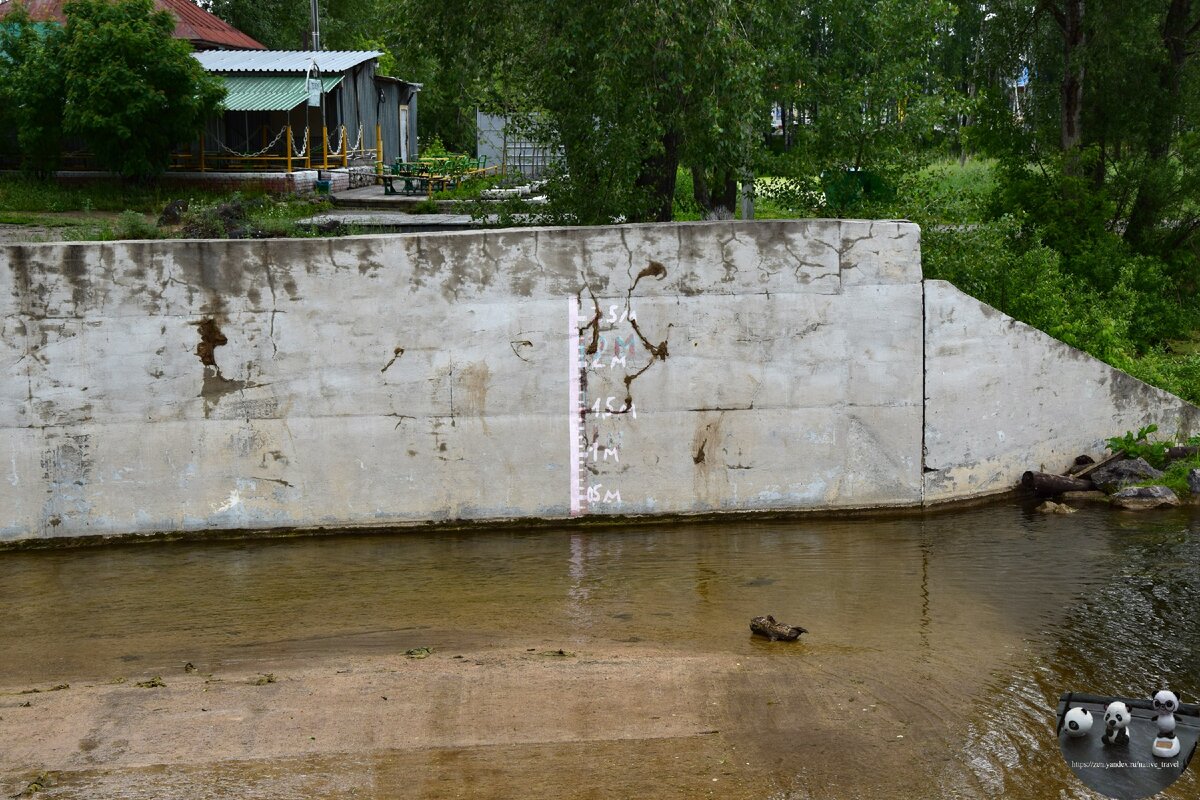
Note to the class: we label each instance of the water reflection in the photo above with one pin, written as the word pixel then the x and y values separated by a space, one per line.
pixel 967 625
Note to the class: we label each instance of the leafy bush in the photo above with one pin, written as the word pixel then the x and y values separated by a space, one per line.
pixel 201 221
pixel 1140 446
pixel 132 225
pixel 467 190
pixel 947 193
pixel 1003 265
pixel 685 198
pixel 1178 374
pixel 1047 259
pixel 433 148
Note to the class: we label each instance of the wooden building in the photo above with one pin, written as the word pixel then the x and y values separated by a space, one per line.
pixel 269 123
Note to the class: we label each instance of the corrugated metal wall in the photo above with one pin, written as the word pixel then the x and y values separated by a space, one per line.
pixel 359 102
pixel 506 141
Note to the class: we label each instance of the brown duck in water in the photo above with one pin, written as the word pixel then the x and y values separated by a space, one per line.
pixel 768 627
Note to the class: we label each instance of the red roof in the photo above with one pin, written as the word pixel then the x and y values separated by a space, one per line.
pixel 204 30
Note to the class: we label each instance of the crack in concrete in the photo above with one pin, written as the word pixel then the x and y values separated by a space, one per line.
pixel 846 245
pixel 280 481
pixel 727 263
pixel 594 324
pixel 274 307
pixel 628 251
pixel 400 418
pixel 396 353
pixel 523 343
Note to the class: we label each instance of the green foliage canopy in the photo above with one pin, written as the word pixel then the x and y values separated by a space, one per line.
pixel 133 92
pixel 31 90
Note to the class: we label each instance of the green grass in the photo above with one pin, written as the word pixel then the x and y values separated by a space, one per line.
pixel 19 194
pixel 469 189
pixel 1175 476
pixel 107 212
pixel 946 193
pixel 1177 373
pixel 47 220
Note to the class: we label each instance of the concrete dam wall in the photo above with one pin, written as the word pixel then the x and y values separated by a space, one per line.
pixel 150 387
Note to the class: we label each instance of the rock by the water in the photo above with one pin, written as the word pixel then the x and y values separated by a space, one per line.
pixel 1085 497
pixel 1120 474
pixel 173 213
pixel 1050 507
pixel 1081 463
pixel 768 627
pixel 1143 498
pixel 1194 481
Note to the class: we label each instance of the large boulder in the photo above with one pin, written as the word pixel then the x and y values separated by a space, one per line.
pixel 1120 474
pixel 1084 497
pixel 1143 498
pixel 1194 481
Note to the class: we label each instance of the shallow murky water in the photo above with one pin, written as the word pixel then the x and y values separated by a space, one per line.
pixel 970 623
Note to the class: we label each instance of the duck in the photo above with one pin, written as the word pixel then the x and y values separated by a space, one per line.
pixel 768 627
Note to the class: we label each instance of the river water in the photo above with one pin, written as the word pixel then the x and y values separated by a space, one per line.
pixel 964 625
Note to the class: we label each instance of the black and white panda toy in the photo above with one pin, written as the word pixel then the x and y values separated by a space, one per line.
pixel 1116 724
pixel 1077 722
pixel 1166 743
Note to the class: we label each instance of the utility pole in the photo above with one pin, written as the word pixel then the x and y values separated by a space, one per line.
pixel 316 25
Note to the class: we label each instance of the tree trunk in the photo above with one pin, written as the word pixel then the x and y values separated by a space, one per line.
pixel 1046 485
pixel 658 175
pixel 1070 22
pixel 1150 201
pixel 700 190
pixel 723 181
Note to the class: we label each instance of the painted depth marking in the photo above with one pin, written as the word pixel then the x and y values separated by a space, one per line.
pixel 575 407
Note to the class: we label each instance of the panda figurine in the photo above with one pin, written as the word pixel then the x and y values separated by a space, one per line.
pixel 1077 722
pixel 1166 743
pixel 1116 724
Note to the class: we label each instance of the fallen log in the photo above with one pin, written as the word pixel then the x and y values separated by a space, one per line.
pixel 1090 468
pixel 1046 485
pixel 768 627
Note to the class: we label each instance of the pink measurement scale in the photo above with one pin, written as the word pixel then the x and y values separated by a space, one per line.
pixel 577 407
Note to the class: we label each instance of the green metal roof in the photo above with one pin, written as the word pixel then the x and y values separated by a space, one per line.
pixel 269 92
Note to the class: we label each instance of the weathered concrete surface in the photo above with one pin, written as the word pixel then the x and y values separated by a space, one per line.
pixel 1002 397
pixel 188 386
pixel 174 386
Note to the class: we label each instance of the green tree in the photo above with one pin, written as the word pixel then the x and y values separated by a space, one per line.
pixel 1105 144
pixel 133 91
pixel 635 90
pixel 31 90
pixel 631 90
pixel 863 77
pixel 286 24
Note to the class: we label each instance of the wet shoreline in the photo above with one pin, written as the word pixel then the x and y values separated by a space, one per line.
pixel 938 646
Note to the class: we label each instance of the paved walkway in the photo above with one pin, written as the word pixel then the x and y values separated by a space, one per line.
pixel 394 221
pixel 372 197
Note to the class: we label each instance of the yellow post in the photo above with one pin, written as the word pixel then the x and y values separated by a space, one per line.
pixel 345 147
pixel 379 144
pixel 289 147
pixel 202 152
pixel 325 145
